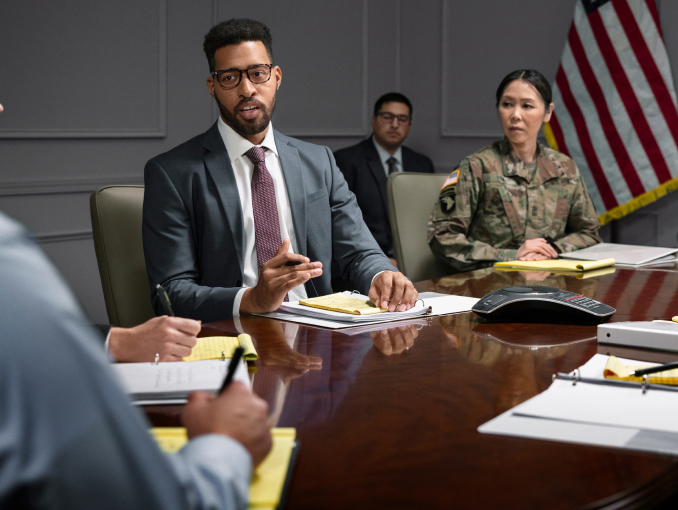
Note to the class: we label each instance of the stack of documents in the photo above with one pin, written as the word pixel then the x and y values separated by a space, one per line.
pixel 269 480
pixel 628 255
pixel 597 411
pixel 429 303
pixel 333 304
pixel 170 383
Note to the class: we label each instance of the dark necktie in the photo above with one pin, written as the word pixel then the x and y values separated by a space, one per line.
pixel 264 208
pixel 392 166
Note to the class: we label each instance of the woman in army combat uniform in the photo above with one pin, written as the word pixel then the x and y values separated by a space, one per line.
pixel 514 199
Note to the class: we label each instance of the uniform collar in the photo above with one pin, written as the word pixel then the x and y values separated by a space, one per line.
pixel 514 167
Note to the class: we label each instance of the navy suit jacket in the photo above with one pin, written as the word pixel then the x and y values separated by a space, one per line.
pixel 193 230
pixel 365 176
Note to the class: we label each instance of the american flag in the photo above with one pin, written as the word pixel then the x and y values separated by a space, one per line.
pixel 615 105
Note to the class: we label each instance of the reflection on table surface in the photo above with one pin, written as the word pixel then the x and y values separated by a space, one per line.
pixel 388 418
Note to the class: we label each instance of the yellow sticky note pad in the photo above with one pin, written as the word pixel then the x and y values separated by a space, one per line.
pixel 213 347
pixel 268 480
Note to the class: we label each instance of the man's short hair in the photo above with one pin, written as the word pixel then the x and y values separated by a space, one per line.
pixel 235 31
pixel 392 97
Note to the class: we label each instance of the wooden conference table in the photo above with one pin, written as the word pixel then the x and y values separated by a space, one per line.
pixel 389 418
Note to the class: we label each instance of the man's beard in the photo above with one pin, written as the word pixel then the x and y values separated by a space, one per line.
pixel 247 128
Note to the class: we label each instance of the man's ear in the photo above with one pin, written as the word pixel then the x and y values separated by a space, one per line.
pixel 277 72
pixel 210 85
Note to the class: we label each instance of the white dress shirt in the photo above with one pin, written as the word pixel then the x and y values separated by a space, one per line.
pixel 243 168
pixel 384 156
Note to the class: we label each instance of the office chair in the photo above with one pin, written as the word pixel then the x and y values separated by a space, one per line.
pixel 116 225
pixel 410 200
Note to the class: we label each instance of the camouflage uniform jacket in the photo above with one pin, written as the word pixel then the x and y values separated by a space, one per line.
pixel 492 202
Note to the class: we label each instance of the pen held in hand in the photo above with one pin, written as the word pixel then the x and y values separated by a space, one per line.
pixel 654 370
pixel 232 367
pixel 296 263
pixel 164 300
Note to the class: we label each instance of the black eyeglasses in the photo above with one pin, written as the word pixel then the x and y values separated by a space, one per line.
pixel 388 117
pixel 229 78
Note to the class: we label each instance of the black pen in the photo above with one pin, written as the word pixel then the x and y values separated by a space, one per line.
pixel 232 366
pixel 164 300
pixel 296 263
pixel 653 370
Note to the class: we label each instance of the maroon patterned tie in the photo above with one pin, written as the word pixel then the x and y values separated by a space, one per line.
pixel 266 224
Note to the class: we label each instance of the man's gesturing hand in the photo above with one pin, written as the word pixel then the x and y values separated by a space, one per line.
pixel 277 279
pixel 236 413
pixel 393 291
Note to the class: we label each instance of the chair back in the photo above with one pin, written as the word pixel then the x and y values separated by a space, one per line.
pixel 411 196
pixel 116 225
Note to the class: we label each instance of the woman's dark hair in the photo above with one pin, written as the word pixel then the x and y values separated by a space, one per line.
pixel 534 78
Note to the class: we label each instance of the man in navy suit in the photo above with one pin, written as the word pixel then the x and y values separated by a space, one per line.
pixel 366 166
pixel 228 213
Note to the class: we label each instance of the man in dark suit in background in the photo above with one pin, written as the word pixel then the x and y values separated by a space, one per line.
pixel 366 166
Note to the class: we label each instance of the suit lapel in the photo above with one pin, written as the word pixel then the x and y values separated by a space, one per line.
pixel 218 165
pixel 377 169
pixel 296 191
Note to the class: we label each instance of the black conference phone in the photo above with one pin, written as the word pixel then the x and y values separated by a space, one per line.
pixel 545 305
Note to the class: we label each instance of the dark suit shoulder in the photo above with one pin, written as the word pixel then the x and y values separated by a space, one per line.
pixel 185 151
pixel 311 149
pixel 416 162
pixel 351 152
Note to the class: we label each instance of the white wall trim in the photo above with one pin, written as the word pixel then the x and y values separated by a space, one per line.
pixel 447 130
pixel 399 42
pixel 61 186
pixel 155 132
pixel 64 237
pixel 364 129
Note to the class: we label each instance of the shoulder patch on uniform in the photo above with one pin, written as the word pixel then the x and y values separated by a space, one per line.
pixel 451 180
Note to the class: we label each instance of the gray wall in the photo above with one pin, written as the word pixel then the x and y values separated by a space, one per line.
pixel 93 89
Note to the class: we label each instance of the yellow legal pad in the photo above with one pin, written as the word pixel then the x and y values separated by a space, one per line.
pixel 555 265
pixel 268 480
pixel 615 369
pixel 212 347
pixel 342 303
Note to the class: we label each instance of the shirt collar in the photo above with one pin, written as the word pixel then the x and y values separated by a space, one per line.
pixel 384 155
pixel 237 145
